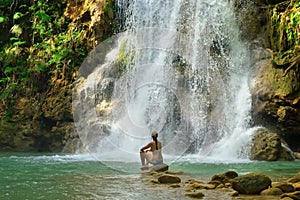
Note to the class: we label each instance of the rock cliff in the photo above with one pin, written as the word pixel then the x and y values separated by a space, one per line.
pixel 275 81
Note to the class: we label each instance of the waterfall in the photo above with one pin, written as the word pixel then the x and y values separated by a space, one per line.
pixel 182 71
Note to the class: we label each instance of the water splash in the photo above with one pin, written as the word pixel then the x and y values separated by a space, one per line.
pixel 184 74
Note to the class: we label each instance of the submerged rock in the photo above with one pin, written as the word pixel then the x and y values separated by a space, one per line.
pixel 252 183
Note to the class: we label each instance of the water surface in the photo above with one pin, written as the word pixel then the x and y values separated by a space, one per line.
pixel 48 176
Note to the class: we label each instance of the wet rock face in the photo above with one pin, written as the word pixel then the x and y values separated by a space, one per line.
pixel 268 146
pixel 276 100
pixel 40 123
pixel 253 19
pixel 275 91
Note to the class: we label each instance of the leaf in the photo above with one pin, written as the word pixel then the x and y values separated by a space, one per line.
pixel 18 43
pixel 17 15
pixel 14 39
pixel 2 19
pixel 4 80
pixel 16 29
pixel 23 6
pixel 42 15
pixel 5 3
pixel 8 70
pixel 25 79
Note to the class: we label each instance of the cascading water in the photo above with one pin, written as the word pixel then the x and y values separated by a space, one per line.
pixel 184 74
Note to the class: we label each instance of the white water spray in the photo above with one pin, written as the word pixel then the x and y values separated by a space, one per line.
pixel 185 76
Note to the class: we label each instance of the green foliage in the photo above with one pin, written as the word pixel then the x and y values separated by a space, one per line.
pixel 5 3
pixel 41 46
pixel 17 15
pixel 285 33
pixel 125 57
pixel 2 19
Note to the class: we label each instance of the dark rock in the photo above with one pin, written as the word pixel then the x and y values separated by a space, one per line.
pixel 159 168
pixel 175 185
pixel 223 178
pixel 252 183
pixel 169 179
pixel 284 187
pixel 230 174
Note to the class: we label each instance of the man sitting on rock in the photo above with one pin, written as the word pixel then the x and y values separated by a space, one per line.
pixel 151 153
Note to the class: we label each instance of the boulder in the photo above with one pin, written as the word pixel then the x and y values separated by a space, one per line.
pixel 169 179
pixel 268 146
pixel 252 183
pixel 284 187
pixel 294 179
pixel 297 155
pixel 296 186
pixel 159 168
pixel 271 191
pixel 225 178
pixel 292 195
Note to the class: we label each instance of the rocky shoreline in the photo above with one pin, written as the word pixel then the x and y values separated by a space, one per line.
pixel 230 185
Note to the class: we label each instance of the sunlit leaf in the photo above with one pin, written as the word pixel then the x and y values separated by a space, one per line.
pixel 17 15
pixel 17 30
pixel 2 19
pixel 19 43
